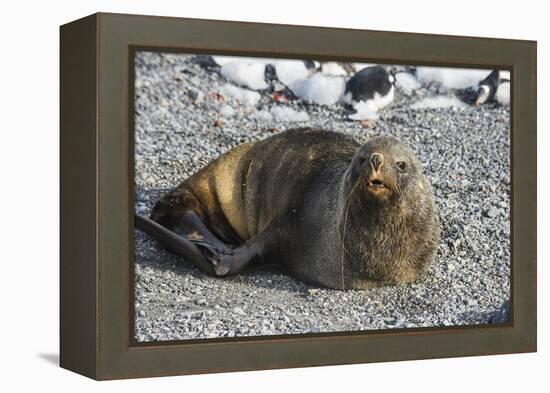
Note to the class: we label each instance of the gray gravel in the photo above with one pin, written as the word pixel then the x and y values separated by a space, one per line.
pixel 465 154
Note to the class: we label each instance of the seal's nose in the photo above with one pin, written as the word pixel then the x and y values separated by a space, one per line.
pixel 376 160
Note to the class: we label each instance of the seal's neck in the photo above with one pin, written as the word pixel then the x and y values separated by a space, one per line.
pixel 371 234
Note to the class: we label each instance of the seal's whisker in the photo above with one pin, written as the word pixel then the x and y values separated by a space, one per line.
pixel 398 188
pixel 346 207
pixel 342 237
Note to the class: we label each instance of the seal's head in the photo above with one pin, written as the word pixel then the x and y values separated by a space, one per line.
pixel 385 170
pixel 389 219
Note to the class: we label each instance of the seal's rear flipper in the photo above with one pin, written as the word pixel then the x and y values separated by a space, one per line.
pixel 175 243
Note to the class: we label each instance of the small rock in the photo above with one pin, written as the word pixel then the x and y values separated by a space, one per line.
pixel 239 310
pixel 471 303
pixel 492 212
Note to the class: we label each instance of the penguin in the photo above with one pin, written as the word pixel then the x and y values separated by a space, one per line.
pixel 487 88
pixel 369 90
pixel 312 65
pixel 291 70
pixel 495 87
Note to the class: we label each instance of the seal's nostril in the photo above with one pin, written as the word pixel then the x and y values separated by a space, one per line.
pixel 376 159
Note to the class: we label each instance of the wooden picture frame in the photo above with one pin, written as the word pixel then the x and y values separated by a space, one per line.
pixel 97 196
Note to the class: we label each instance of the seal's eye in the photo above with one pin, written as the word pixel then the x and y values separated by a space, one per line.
pixel 401 165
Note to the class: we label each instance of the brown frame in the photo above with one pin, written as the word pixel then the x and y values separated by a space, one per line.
pixel 96 141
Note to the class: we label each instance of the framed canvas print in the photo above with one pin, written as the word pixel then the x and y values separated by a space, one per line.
pixel 240 196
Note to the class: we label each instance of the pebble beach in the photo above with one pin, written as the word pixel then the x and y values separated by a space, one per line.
pixel 187 114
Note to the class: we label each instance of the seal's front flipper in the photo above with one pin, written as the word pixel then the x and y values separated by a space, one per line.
pixel 222 264
pixel 175 243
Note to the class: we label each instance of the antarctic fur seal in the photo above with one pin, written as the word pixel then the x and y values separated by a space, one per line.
pixel 332 212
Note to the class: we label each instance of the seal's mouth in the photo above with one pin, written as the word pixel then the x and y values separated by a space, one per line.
pixel 376 184
pixel 378 188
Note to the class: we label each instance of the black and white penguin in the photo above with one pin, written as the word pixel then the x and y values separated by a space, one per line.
pixel 281 74
pixel 311 65
pixel 487 88
pixel 494 88
pixel 372 85
pixel 368 91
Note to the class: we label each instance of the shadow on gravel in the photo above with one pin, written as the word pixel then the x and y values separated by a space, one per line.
pixel 173 264
pixel 493 317
pixel 467 96
pixel 149 195
pixel 272 277
pixel 267 277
